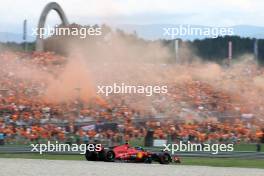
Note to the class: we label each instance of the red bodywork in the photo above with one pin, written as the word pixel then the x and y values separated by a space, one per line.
pixel 125 152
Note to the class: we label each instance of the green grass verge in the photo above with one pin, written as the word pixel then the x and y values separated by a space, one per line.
pixel 43 156
pixel 217 162
pixel 225 162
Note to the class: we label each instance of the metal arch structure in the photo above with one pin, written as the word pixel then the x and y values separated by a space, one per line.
pixel 41 24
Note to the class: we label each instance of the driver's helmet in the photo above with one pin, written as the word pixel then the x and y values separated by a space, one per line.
pixel 139 148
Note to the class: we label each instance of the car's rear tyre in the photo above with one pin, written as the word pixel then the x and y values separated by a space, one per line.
pixel 110 156
pixel 165 158
pixel 91 156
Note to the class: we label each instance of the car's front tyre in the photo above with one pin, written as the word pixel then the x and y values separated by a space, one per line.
pixel 165 158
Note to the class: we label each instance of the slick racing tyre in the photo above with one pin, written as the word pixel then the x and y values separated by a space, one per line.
pixel 110 156
pixel 165 158
pixel 91 156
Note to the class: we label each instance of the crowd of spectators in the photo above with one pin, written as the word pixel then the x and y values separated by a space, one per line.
pixel 192 110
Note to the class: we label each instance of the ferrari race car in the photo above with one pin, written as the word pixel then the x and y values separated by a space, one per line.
pixel 127 153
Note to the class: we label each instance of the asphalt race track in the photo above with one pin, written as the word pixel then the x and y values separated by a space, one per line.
pixel 33 167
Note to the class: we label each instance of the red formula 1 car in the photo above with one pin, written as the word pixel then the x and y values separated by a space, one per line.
pixel 130 154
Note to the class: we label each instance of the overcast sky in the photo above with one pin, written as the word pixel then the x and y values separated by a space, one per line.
pixel 200 12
